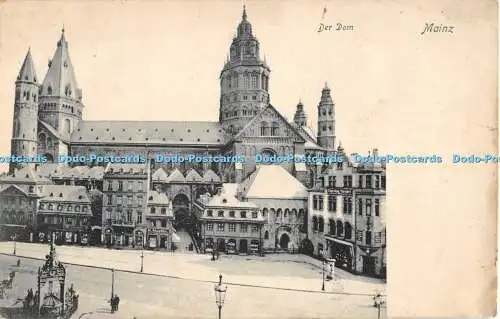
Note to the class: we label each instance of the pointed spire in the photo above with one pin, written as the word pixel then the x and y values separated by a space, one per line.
pixel 60 77
pixel 244 16
pixel 62 40
pixel 27 72
pixel 326 86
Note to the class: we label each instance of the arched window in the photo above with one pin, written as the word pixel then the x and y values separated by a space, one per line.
pixel 49 90
pixel 264 128
pixel 254 81
pixel 278 213
pixel 266 235
pixel 321 225
pixel 275 129
pixel 246 81
pixel 340 228
pixel 348 231
pixel 315 223
pixel 331 223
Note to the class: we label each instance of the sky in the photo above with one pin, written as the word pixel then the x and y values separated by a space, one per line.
pixel 393 88
pixel 161 60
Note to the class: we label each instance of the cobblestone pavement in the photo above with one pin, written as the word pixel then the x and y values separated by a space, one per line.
pixel 149 296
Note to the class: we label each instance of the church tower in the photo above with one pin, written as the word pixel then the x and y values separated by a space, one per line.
pixel 300 117
pixel 326 120
pixel 25 122
pixel 244 80
pixel 60 97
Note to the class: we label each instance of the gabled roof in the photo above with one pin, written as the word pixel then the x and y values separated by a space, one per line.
pixel 14 188
pixel 160 175
pixel 176 176
pixel 27 72
pixel 193 176
pixel 152 132
pixel 65 193
pixel 210 177
pixel 256 118
pixel 227 198
pixel 273 181
pixel 50 170
pixel 26 174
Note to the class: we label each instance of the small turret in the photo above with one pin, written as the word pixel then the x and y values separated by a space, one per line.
pixel 326 120
pixel 300 117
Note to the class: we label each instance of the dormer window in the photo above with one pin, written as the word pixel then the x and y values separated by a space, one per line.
pixel 51 195
pixel 60 195
pixel 220 213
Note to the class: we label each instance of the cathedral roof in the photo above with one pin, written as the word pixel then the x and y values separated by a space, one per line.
pixel 137 132
pixel 273 181
pixel 176 176
pixel 27 72
pixel 54 132
pixel 60 79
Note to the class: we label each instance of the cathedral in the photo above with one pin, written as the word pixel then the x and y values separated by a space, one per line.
pixel 49 119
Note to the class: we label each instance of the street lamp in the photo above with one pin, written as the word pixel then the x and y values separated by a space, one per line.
pixel 323 264
pixel 220 294
pixel 14 237
pixel 142 259
pixel 378 301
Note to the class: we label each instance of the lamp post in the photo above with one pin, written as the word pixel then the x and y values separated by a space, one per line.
pixel 378 301
pixel 323 263
pixel 112 283
pixel 220 294
pixel 14 237
pixel 142 259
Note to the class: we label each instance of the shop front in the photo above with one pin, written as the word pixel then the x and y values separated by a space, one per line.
pixel 342 251
pixel 158 238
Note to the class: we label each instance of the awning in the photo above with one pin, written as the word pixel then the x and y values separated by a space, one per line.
pixel 175 238
pixel 96 228
pixel 340 241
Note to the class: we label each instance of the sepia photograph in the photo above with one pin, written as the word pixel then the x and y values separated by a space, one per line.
pixel 229 159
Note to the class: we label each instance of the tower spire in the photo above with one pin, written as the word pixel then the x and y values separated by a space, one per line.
pixel 27 72
pixel 244 15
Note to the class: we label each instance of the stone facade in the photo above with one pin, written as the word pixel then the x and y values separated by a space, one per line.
pixel 347 217
pixel 48 119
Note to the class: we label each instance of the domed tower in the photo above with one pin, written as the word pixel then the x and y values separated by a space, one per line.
pixel 326 120
pixel 300 117
pixel 25 121
pixel 60 97
pixel 244 80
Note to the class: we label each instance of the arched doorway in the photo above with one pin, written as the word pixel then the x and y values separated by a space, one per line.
pixel 284 240
pixel 180 205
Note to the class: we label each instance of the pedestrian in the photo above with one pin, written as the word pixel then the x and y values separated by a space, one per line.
pixel 18 262
pixel 117 302
pixel 112 302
